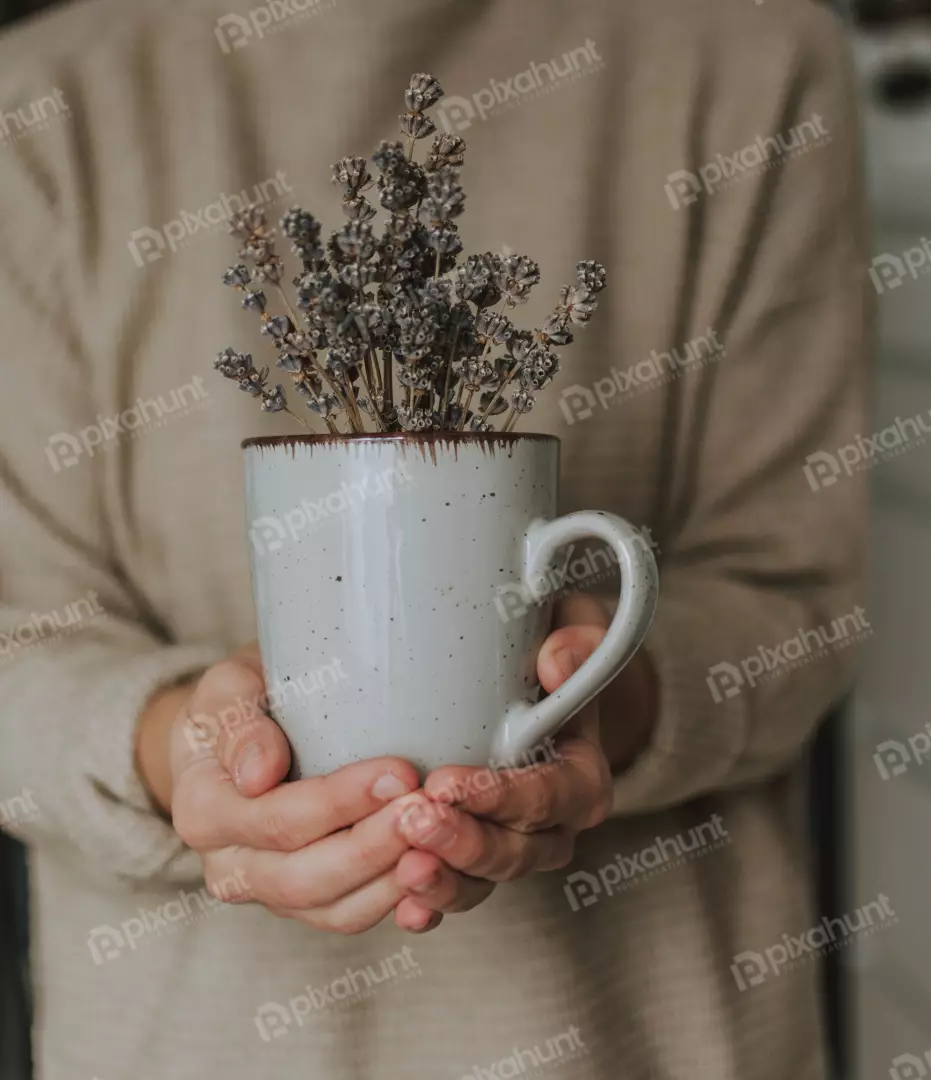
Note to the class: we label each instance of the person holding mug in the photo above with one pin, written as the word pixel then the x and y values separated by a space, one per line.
pixel 591 914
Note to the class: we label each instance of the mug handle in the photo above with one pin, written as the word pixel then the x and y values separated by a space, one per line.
pixel 526 724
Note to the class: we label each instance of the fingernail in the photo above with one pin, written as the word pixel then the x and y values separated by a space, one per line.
pixel 564 659
pixel 249 764
pixel 423 825
pixel 389 787
pixel 425 922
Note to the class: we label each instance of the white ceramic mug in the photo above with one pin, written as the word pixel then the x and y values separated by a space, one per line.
pixel 380 566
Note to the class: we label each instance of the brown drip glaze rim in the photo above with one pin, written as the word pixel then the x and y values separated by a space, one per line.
pixel 415 438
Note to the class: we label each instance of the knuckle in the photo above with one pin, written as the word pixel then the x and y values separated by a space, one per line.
pixel 523 860
pixel 280 833
pixel 538 808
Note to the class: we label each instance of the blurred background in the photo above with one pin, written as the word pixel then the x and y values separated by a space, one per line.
pixel 869 834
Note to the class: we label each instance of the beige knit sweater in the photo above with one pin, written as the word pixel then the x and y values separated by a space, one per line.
pixel 706 152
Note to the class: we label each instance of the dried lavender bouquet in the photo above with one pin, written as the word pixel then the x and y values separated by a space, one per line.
pixel 394 332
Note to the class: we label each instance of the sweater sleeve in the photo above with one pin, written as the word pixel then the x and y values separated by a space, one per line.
pixel 80 650
pixel 763 542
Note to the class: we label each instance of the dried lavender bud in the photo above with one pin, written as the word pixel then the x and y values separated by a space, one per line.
pixel 253 382
pixel 420 376
pixel 522 401
pixel 446 150
pixel 390 155
pixel 401 188
pixel 556 330
pixel 331 303
pixel 521 345
pixel 303 230
pixel 300 342
pixel 445 198
pixel 476 374
pixel 274 400
pixel 435 292
pixel 491 326
pixel 515 278
pixel 353 174
pixel 268 269
pixel 237 276
pixel 424 92
pixel 324 405
pixel 478 426
pixel 578 303
pixel 258 249
pixel 359 209
pixel 415 125
pixel 417 334
pixel 369 320
pixel 492 403
pixel 475 282
pixel 254 301
pixel 356 241
pixel 356 275
pixel 232 364
pixel 277 328
pixel 399 229
pixel 418 420
pixel 540 372
pixel 248 222
pixel 309 385
pixel 301 225
pixel 290 362
pixel 592 275
pixel 444 239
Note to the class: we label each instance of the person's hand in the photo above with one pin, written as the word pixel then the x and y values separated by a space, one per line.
pixel 485 827
pixel 322 850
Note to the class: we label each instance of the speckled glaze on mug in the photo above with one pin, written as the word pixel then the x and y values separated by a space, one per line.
pixel 381 557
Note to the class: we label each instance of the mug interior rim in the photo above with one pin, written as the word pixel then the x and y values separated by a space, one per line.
pixel 414 438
